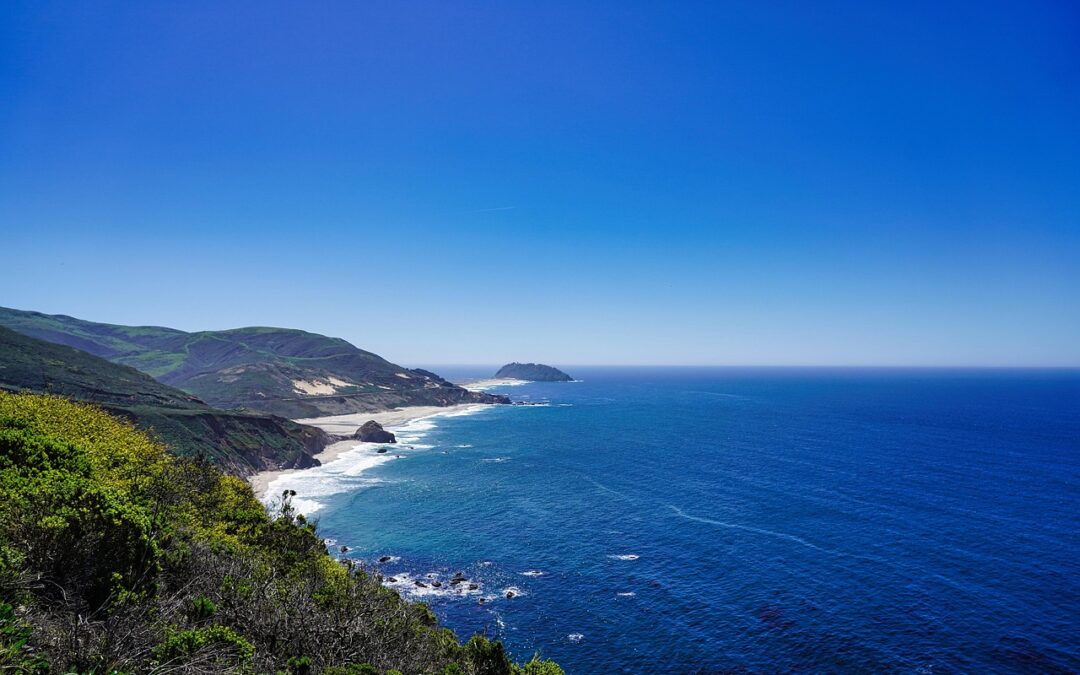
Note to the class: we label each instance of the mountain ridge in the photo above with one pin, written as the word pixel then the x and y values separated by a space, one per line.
pixel 282 371
pixel 242 443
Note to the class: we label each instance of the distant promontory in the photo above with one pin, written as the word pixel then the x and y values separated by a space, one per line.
pixel 536 372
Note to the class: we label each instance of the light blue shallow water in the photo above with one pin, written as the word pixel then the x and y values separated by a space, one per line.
pixel 702 520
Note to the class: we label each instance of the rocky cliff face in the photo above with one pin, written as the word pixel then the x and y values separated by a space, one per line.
pixel 534 372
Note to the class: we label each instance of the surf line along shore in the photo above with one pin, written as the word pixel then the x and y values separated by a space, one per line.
pixel 346 425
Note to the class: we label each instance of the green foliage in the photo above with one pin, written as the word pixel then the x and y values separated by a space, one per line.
pixel 299 665
pixel 122 558
pixel 538 667
pixel 16 654
pixel 218 644
pixel 202 608
pixel 352 669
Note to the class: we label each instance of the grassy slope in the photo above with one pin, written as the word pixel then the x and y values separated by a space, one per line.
pixel 117 557
pixel 242 443
pixel 253 368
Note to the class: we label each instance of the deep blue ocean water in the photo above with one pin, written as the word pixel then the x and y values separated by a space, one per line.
pixel 746 520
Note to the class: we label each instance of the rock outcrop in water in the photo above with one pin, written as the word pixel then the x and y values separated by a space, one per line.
pixel 373 432
pixel 535 372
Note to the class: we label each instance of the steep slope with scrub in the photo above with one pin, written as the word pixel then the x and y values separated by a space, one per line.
pixel 116 556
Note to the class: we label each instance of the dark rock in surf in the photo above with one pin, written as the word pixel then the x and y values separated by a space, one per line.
pixel 373 432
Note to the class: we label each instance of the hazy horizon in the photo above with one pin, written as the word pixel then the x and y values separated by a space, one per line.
pixel 492 365
pixel 599 184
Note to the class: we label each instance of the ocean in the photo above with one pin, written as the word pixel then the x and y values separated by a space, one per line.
pixel 682 520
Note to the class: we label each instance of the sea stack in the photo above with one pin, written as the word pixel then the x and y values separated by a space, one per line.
pixel 372 432
pixel 534 372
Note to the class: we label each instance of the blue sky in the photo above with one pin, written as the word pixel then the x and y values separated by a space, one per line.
pixel 572 182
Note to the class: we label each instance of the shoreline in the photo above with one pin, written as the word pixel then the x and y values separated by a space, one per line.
pixel 488 383
pixel 342 425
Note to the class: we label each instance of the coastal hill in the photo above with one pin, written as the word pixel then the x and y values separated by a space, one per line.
pixel 534 372
pixel 118 557
pixel 282 371
pixel 240 443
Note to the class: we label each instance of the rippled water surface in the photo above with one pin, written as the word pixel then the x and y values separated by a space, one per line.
pixel 683 520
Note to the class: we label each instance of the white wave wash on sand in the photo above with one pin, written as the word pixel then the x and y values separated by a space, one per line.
pixel 484 385
pixel 346 462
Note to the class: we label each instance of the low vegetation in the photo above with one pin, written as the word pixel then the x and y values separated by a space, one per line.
pixel 117 557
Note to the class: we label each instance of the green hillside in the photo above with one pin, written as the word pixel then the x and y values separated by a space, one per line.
pixel 241 443
pixel 116 557
pixel 275 370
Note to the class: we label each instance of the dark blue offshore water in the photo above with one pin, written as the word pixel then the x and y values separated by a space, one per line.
pixel 783 520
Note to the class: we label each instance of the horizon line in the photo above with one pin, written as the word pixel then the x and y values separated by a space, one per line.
pixel 778 365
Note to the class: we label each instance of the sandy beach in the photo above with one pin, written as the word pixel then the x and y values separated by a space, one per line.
pixel 346 425
pixel 484 385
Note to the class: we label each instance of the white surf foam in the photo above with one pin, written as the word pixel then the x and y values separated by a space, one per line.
pixel 531 573
pixel 425 586
pixel 311 485
pixel 348 471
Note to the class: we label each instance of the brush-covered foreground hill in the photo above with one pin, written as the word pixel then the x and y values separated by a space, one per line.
pixel 242 443
pixel 116 557
pixel 282 371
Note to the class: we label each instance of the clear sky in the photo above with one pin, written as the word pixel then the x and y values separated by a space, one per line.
pixel 570 182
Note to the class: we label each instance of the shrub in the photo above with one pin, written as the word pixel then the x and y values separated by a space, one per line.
pixel 214 647
pixel 121 558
